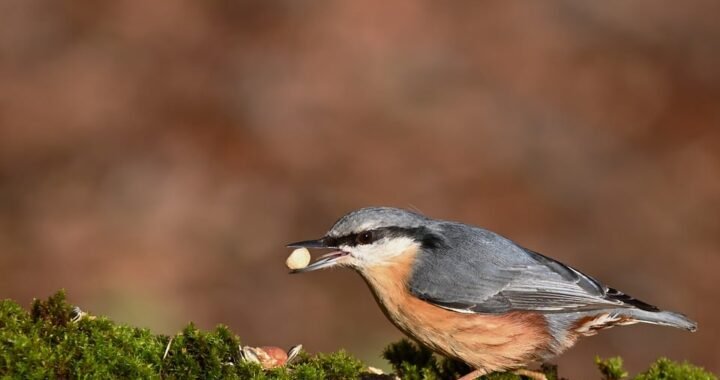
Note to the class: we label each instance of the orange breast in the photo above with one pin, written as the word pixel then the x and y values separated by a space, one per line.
pixel 485 341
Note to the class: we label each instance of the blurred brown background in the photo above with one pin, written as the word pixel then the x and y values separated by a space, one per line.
pixel 155 157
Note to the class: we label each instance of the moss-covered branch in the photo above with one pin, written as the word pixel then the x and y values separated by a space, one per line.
pixel 55 340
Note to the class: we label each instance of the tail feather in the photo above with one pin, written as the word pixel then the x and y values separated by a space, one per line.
pixel 663 318
pixel 646 313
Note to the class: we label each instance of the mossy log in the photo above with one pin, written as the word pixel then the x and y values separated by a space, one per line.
pixel 54 340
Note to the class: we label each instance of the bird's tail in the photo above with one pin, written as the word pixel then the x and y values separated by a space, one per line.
pixel 663 318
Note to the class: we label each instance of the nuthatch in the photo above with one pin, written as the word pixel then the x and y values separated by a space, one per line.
pixel 471 294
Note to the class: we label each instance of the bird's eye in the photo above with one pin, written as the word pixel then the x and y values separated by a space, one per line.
pixel 364 237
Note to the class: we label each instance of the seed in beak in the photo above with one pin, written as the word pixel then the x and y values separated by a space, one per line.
pixel 298 259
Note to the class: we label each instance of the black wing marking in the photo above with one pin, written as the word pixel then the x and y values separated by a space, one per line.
pixel 627 299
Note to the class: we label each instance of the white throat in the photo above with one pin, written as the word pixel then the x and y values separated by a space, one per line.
pixel 380 252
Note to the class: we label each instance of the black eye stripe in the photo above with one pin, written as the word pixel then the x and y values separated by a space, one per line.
pixel 420 234
pixel 350 240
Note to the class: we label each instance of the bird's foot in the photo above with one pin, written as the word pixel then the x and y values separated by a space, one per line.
pixel 534 375
pixel 473 375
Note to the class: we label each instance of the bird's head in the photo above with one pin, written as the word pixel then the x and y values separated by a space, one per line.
pixel 369 237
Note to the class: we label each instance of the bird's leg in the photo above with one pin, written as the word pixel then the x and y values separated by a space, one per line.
pixel 534 375
pixel 473 375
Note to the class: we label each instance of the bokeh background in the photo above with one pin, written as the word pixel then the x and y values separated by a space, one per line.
pixel 156 156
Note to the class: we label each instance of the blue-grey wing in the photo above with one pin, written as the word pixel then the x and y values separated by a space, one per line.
pixel 477 271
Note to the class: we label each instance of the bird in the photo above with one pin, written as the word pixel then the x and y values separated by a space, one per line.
pixel 470 294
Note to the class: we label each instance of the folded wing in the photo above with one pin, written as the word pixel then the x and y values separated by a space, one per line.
pixel 494 275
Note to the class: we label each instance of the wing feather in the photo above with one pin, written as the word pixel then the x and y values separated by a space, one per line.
pixel 491 274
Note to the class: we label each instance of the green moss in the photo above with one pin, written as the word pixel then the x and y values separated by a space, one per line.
pixel 668 370
pixel 412 362
pixel 51 342
pixel 415 362
pixel 195 354
pixel 46 344
pixel 611 368
pixel 662 369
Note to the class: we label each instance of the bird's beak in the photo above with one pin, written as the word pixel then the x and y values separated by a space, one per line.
pixel 325 261
pixel 310 244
